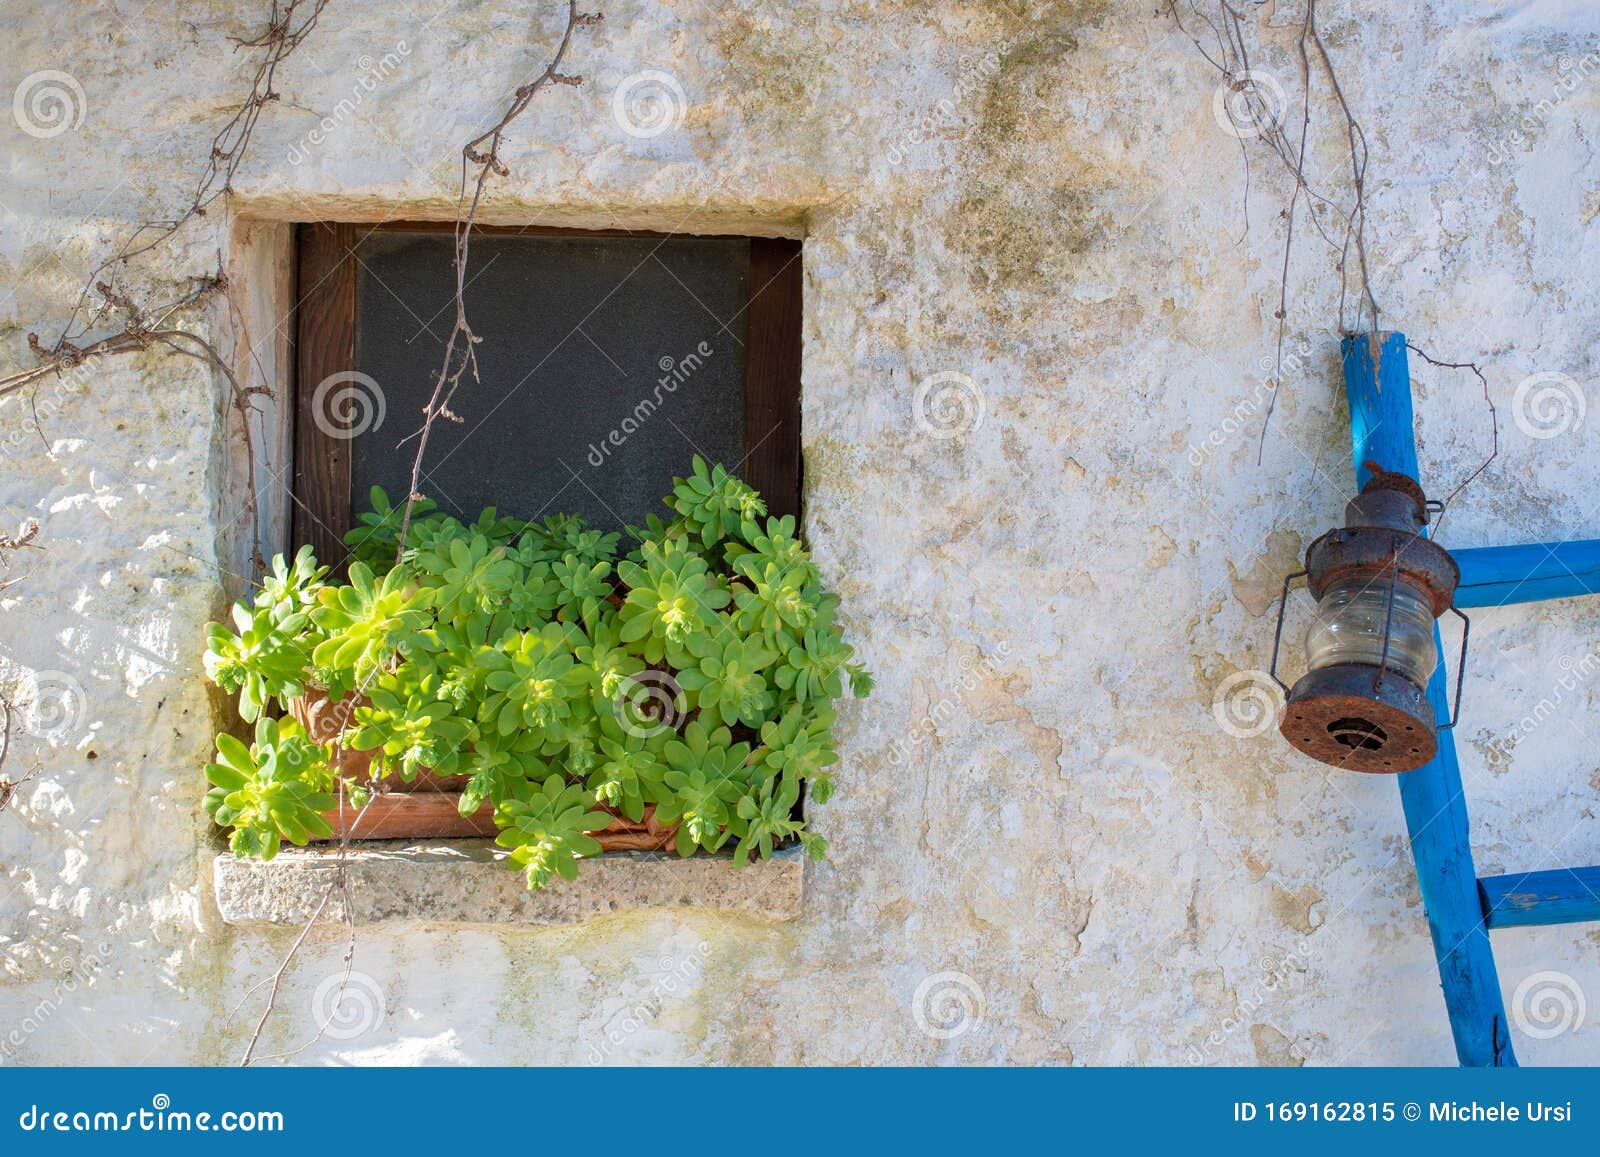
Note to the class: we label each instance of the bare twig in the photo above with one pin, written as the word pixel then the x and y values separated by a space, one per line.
pixel 1231 56
pixel 1494 421
pixel 8 787
pixel 288 24
pixel 459 354
pixel 459 357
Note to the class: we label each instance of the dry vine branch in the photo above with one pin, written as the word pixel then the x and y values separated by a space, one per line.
pixel 456 364
pixel 1232 58
pixel 8 787
pixel 459 357
pixel 1494 423
pixel 289 23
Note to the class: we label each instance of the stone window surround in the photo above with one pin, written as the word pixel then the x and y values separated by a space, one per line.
pixel 455 881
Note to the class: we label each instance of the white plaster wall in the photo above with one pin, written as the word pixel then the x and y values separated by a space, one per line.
pixel 1062 589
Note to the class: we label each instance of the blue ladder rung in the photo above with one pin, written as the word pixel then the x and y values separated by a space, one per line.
pixel 1559 896
pixel 1497 576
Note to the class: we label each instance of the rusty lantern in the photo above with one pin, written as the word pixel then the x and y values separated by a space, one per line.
pixel 1380 585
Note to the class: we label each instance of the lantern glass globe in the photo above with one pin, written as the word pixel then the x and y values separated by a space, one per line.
pixel 1349 628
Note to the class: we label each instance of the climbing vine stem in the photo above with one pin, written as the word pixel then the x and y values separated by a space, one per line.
pixel 480 158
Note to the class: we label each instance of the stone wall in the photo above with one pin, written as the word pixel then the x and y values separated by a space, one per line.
pixel 1039 820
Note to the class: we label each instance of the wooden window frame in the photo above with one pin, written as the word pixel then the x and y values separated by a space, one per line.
pixel 325 344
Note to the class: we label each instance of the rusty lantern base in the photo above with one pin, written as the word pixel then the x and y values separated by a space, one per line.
pixel 1343 715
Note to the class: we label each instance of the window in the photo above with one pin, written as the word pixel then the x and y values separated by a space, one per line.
pixel 608 359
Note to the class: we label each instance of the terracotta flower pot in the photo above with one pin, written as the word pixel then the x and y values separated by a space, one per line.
pixel 429 807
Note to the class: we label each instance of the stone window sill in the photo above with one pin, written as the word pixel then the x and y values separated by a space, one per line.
pixel 460 882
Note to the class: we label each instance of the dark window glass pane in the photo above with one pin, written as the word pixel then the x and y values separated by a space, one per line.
pixel 606 364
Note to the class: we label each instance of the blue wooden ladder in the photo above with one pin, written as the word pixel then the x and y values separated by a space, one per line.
pixel 1461 907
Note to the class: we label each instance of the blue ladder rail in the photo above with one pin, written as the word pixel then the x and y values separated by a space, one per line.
pixel 1461 908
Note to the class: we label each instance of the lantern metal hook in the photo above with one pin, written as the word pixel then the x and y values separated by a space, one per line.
pixel 1277 636
pixel 1461 666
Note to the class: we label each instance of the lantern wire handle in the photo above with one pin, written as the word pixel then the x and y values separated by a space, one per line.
pixel 1277 636
pixel 1461 667
pixel 1388 618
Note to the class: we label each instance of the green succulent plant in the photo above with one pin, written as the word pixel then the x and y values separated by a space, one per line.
pixel 672 596
pixel 268 656
pixel 472 576
pixel 726 683
pixel 547 828
pixel 275 789
pixel 531 681
pixel 366 624
pixel 706 776
pixel 714 503
pixel 570 685
pixel 375 538
pixel 761 821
